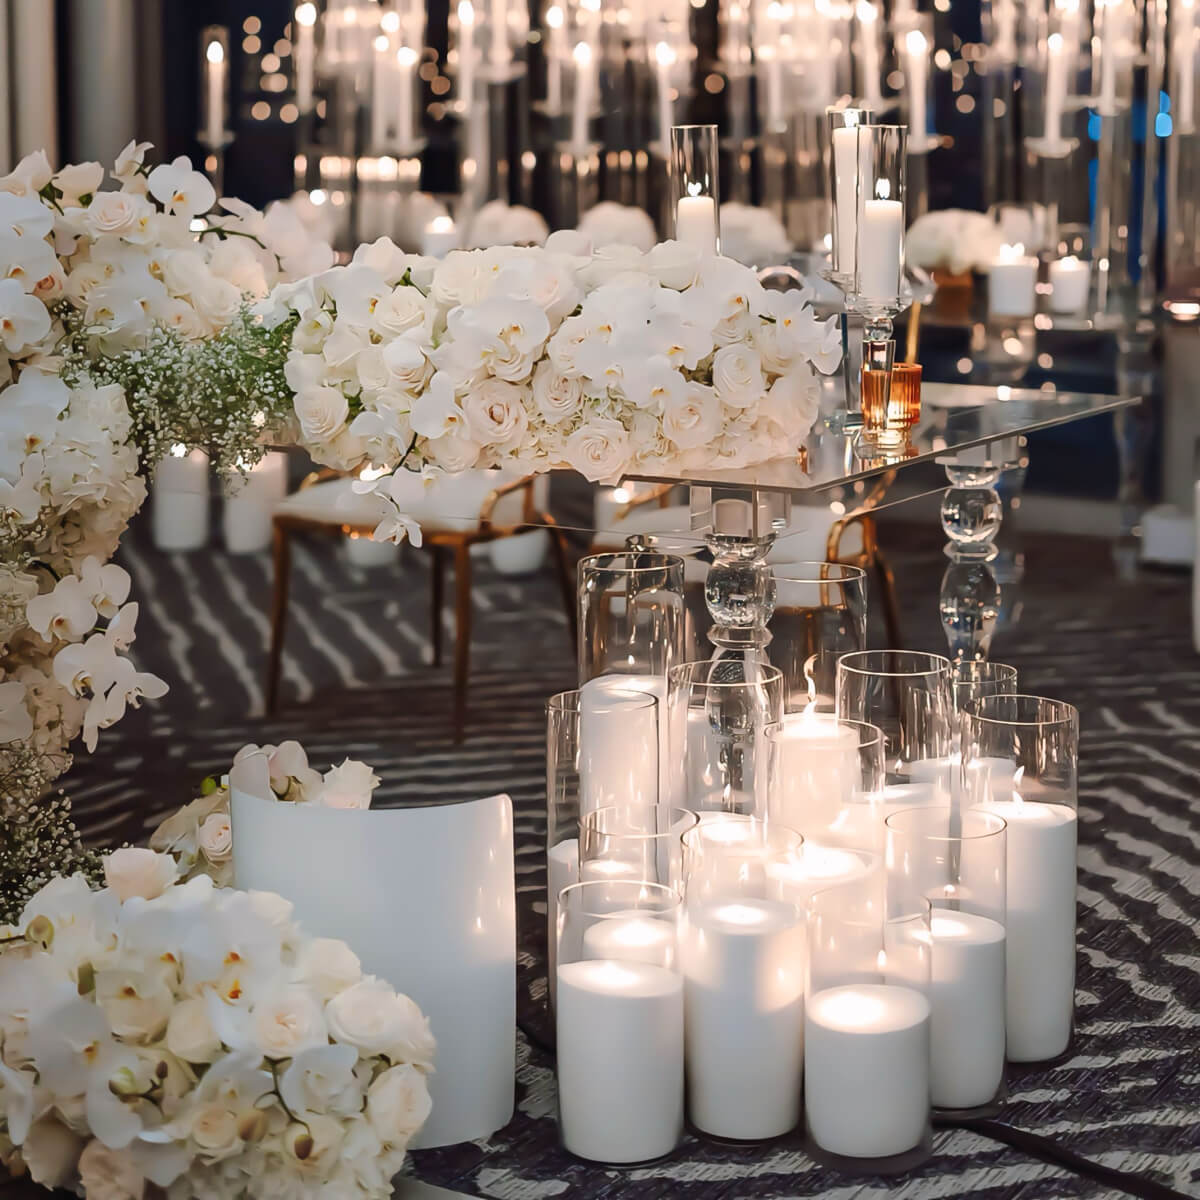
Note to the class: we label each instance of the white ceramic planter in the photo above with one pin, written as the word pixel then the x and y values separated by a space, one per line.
pixel 425 895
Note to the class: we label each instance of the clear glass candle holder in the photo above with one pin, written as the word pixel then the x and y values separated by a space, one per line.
pixel 742 955
pixel 867 1032
pixel 842 127
pixel 619 1021
pixel 630 841
pixel 631 614
pixel 1020 762
pixel 957 862
pixel 971 679
pixel 695 187
pixel 562 812
pixel 820 613
pixel 719 712
pixel 907 694
pixel 697 557
pixel 827 776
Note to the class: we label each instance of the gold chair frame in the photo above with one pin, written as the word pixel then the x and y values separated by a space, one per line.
pixel 440 544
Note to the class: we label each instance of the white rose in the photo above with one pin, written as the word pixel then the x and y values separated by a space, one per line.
pixel 406 363
pixel 50 1151
pixel 214 1129
pixel 569 243
pixel 348 786
pixel 378 1020
pixel 598 450
pixel 372 373
pixel 453 451
pixel 738 376
pixel 109 1174
pixel 287 1022
pixel 402 309
pixel 115 212
pixel 329 966
pixel 184 271
pixel 322 1080
pixel 398 1104
pixel 558 397
pixel 134 871
pixel 462 277
pixel 215 838
pixel 321 412
pixel 495 413
pixel 190 1035
pixel 217 301
pixel 694 419
pixel 673 264
pixel 793 401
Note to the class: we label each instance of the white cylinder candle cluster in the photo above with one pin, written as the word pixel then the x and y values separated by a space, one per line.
pixel 1070 279
pixel 866 1069
pixel 743 966
pixel 181 502
pixel 250 504
pixel 817 771
pixel 619 741
pixel 1012 283
pixel 620 1059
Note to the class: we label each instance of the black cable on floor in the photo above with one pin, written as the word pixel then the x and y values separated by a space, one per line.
pixel 1050 1151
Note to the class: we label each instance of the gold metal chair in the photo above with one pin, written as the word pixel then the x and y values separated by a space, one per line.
pixel 442 542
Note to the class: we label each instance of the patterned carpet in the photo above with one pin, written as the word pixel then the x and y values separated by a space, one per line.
pixel 355 675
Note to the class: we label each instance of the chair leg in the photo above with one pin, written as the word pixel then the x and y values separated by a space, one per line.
pixel 282 560
pixel 462 636
pixel 437 600
pixel 558 547
pixel 891 605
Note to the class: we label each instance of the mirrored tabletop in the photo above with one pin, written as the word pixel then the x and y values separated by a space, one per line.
pixel 954 417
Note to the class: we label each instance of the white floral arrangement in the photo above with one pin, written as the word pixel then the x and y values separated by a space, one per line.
pixel 538 358
pixel 192 1039
pixel 500 224
pixel 609 224
pixel 954 240
pixel 754 236
pixel 200 835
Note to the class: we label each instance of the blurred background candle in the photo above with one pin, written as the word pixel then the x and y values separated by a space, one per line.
pixel 406 129
pixel 250 504
pixel 215 73
pixel 868 33
pixel 581 113
pixel 664 60
pixel 1012 283
pixel 304 50
pixel 556 54
pixel 1070 278
pixel 439 237
pixel 1056 89
pixel 916 75
pixel 180 500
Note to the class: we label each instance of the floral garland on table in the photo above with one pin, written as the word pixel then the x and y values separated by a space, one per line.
pixel 200 836
pixel 125 329
pixel 538 358
pixel 193 1038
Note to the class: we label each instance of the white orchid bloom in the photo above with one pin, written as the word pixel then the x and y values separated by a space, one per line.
pixel 66 612
pixel 87 667
pixel 180 189
pixel 106 585
pixel 24 320
pixel 437 410
pixel 24 216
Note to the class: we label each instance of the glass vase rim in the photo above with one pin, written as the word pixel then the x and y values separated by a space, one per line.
pixel 764 826
pixel 939 664
pixel 673 902
pixel 561 701
pixel 1067 713
pixel 776 728
pixel 673 811
pixel 1004 670
pixel 979 812
pixel 769 674
pixel 853 572
pixel 692 126
pixel 691 540
pixel 592 561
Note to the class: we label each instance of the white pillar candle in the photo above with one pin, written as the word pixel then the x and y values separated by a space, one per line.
pixel 365 553
pixel 556 54
pixel 304 54
pixel 1070 279
pixel 439 237
pixel 632 937
pixel 620 1060
pixel 879 248
pixel 1012 283
pixel 250 504
pixel 696 222
pixel 406 127
pixel 1056 90
pixel 382 89
pixel 845 167
pixel 796 880
pixel 1040 926
pixel 562 870
pixel 581 114
pixel 466 53
pixel 818 771
pixel 1184 44
pixel 181 504
pixel 214 93
pixel 866 1069
pixel 743 966
pixel 967 1001
pixel 664 59
pixel 619 743
pixel 862 825
pixel 916 50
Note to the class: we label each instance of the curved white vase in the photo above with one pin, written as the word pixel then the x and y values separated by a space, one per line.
pixel 425 896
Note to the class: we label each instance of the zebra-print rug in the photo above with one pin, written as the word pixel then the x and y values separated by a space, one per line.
pixel 1119 648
